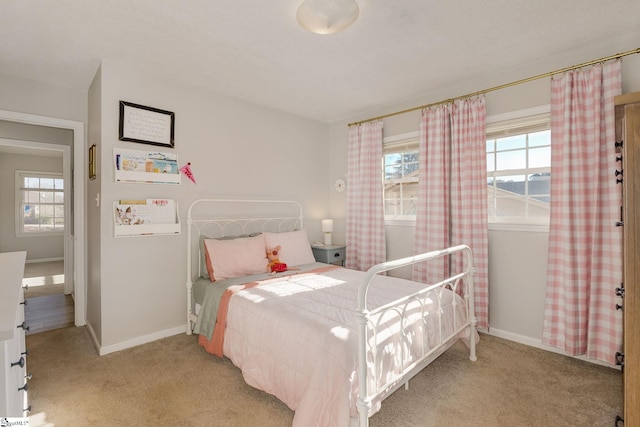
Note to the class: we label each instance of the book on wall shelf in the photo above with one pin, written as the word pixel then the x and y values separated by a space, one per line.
pixel 141 217
pixel 150 167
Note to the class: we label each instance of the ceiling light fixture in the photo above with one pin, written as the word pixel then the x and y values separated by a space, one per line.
pixel 327 16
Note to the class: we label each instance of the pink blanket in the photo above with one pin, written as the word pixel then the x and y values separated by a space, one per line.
pixel 216 344
pixel 296 337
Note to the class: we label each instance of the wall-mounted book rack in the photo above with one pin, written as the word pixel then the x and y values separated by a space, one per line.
pixel 145 217
pixel 149 167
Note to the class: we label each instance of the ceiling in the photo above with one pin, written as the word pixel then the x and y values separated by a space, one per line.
pixel 255 51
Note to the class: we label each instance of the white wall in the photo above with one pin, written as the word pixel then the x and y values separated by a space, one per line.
pixel 35 133
pixel 37 247
pixel 94 218
pixel 43 99
pixel 517 259
pixel 135 289
pixel 64 111
pixel 236 149
pixel 136 285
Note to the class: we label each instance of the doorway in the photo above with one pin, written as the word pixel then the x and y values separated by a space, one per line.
pixel 37 218
pixel 48 307
pixel 75 173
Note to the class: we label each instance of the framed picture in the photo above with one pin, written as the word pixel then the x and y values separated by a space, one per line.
pixel 146 125
pixel 92 162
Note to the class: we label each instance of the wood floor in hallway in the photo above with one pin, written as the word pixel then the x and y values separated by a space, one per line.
pixel 47 307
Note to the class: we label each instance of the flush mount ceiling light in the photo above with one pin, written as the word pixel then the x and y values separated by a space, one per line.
pixel 327 16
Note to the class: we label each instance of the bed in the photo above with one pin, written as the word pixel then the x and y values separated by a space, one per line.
pixel 329 342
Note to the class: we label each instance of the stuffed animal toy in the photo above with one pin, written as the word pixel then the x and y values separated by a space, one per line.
pixel 275 266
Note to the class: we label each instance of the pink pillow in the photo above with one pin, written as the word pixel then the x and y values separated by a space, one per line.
pixel 237 257
pixel 295 247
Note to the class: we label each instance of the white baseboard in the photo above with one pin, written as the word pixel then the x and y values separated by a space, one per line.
pixel 94 338
pixel 521 339
pixel 537 343
pixel 142 340
pixel 34 261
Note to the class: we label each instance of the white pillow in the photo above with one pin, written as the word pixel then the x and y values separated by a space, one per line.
pixel 295 248
pixel 237 257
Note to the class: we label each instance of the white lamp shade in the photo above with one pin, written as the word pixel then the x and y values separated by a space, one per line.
pixel 327 225
pixel 327 16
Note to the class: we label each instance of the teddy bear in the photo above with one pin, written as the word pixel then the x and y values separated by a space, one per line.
pixel 275 266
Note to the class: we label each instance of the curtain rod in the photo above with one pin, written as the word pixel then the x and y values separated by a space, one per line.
pixel 503 86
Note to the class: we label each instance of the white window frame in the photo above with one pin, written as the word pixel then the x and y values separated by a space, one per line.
pixel 492 123
pixel 409 139
pixel 19 220
pixel 502 123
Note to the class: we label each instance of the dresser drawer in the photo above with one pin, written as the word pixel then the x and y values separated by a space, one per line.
pixel 14 371
pixel 13 368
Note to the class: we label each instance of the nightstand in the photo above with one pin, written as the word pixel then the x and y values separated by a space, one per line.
pixel 330 254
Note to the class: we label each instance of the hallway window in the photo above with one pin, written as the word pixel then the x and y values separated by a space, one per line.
pixel 39 203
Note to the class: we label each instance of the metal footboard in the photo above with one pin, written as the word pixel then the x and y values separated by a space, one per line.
pixel 371 321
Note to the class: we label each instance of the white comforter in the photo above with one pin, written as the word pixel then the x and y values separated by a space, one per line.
pixel 296 338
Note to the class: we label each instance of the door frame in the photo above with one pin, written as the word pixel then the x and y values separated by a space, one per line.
pixel 79 176
pixel 34 149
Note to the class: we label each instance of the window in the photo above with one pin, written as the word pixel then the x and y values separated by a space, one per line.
pixel 518 147
pixel 39 203
pixel 519 170
pixel 400 177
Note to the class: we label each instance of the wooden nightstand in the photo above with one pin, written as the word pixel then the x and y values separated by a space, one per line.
pixel 330 254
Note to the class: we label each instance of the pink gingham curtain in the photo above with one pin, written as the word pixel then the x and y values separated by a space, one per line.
pixel 585 246
pixel 432 215
pixel 452 195
pixel 366 244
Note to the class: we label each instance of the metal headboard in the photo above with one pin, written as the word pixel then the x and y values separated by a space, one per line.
pixel 216 218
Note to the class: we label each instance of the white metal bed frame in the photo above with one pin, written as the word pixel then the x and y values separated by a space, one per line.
pixel 461 282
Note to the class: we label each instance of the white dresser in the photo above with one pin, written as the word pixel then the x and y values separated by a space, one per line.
pixel 13 368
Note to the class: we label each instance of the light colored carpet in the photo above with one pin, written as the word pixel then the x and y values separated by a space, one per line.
pixel 43 279
pixel 174 382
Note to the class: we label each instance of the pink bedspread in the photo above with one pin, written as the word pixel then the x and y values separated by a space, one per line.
pixel 216 344
pixel 296 337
